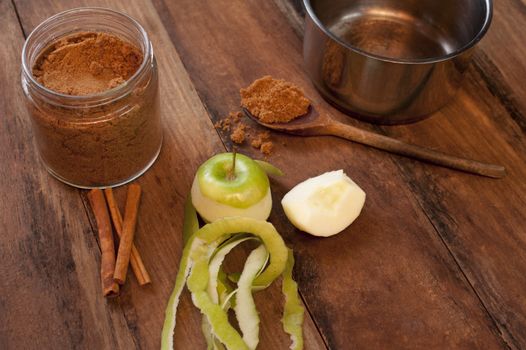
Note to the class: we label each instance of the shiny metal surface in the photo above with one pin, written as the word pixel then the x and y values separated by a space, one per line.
pixel 391 61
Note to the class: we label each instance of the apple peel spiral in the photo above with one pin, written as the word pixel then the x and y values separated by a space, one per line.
pixel 204 249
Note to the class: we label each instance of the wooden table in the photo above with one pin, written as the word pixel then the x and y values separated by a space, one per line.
pixel 437 259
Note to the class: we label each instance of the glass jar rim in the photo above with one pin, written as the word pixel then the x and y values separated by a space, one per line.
pixel 99 97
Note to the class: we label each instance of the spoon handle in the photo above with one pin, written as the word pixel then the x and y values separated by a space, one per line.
pixel 398 147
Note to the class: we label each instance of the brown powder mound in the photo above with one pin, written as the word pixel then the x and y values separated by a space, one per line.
pixel 274 100
pixel 87 63
pixel 238 134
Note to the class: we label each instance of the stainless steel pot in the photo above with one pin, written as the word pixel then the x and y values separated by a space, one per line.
pixel 391 61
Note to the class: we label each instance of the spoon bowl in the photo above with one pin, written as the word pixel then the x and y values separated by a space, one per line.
pixel 309 124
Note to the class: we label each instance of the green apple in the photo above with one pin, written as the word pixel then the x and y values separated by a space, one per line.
pixel 222 189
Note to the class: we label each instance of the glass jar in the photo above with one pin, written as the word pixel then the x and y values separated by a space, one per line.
pixel 99 140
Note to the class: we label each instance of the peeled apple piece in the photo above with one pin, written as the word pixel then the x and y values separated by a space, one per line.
pixel 324 205
pixel 231 184
pixel 211 210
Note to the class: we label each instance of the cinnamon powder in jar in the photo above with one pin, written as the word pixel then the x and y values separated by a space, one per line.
pixel 87 63
pixel 274 100
pixel 98 124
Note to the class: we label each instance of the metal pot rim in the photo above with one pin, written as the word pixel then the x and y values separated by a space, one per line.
pixel 459 51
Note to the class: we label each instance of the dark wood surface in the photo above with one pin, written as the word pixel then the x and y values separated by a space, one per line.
pixel 436 260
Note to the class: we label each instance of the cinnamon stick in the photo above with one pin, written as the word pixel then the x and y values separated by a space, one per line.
pixel 135 259
pixel 107 247
pixel 128 232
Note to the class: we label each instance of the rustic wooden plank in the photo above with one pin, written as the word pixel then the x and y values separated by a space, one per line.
pixel 502 64
pixel 50 286
pixel 189 139
pixel 388 281
pixel 482 222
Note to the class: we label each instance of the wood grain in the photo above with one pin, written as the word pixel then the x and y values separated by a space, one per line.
pixel 316 124
pixel 502 64
pixel 388 281
pixel 437 259
pixel 189 139
pixel 483 223
pixel 50 287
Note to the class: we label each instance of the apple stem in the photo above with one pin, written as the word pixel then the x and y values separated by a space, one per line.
pixel 232 171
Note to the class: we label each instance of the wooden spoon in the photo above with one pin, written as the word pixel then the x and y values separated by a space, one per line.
pixel 315 124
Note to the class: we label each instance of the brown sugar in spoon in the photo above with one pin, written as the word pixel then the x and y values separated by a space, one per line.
pixel 316 124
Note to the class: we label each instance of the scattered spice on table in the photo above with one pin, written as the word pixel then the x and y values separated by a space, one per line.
pixel 274 100
pixel 226 123
pixel 238 134
pixel 223 124
pixel 260 139
pixel 262 142
pixel 266 148
pixel 241 132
